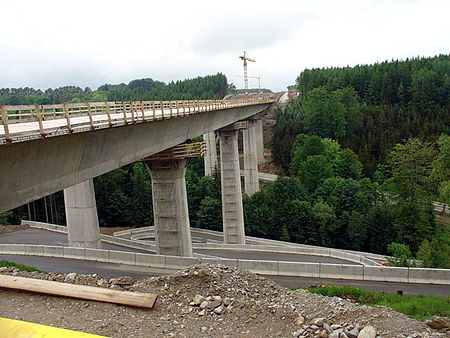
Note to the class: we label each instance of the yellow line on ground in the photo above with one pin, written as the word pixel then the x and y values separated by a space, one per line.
pixel 10 328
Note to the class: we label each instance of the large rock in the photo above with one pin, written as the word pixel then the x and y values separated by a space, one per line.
pixel 317 321
pixel 70 277
pixel 438 323
pixel 367 332
pixel 198 299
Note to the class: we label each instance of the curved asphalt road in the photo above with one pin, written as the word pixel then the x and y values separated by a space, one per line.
pixel 111 270
pixel 50 264
pixel 45 237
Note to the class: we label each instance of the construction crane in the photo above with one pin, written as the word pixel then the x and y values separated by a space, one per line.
pixel 246 58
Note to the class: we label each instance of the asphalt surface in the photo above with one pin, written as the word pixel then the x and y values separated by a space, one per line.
pixel 272 256
pixel 196 237
pixel 111 270
pixel 45 237
pixel 50 264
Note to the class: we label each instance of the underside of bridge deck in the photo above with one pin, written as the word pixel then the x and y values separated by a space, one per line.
pixel 32 169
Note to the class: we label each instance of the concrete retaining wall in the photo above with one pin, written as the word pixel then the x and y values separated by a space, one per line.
pixel 267 245
pixel 387 274
pixel 105 238
pixel 341 271
pixel 261 267
pixel 439 276
pixel 367 256
pixel 46 226
pixel 277 268
pixel 296 269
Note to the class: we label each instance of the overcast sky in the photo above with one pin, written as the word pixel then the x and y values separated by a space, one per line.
pixel 88 43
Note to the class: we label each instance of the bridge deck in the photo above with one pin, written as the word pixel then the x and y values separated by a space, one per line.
pixel 21 123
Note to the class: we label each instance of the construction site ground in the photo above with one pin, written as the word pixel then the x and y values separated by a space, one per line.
pixel 206 301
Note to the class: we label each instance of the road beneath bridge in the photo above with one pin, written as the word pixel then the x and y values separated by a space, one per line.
pixel 50 264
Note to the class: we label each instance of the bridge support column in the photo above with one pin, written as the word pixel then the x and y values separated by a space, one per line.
pixel 251 181
pixel 211 152
pixel 259 140
pixel 232 211
pixel 81 216
pixel 170 207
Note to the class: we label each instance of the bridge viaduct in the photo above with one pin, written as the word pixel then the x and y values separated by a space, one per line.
pixel 45 149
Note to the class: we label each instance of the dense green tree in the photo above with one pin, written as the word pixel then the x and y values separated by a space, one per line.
pixel 413 223
pixel 207 87
pixel 401 254
pixel 324 114
pixel 297 217
pixel 141 198
pixel 356 232
pixel 325 220
pixel 209 214
pixel 347 165
pixel 410 166
pixel 441 165
pixel 385 103
pixel 424 254
pixel 314 171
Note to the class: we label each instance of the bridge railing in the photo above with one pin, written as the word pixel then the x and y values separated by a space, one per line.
pixel 76 117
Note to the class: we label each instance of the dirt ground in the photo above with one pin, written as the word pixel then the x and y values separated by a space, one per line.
pixel 110 231
pixel 12 228
pixel 206 301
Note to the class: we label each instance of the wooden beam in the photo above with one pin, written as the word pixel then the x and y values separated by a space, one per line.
pixel 137 299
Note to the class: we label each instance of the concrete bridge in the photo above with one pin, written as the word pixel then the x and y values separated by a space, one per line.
pixel 45 149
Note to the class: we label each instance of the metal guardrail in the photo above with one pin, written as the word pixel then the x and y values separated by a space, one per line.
pixel 79 117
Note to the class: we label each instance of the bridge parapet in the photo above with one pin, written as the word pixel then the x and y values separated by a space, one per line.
pixel 25 122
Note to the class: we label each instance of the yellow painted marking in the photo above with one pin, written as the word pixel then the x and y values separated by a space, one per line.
pixel 10 328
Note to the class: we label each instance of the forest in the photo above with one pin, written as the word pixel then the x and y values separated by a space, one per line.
pixel 362 154
pixel 207 87
pixel 391 122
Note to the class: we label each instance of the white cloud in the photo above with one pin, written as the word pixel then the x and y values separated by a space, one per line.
pixel 87 43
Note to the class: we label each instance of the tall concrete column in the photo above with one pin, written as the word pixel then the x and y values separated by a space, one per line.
pixel 81 216
pixel 232 211
pixel 170 207
pixel 251 181
pixel 210 153
pixel 259 139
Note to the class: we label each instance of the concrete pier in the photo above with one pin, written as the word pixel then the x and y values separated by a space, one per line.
pixel 170 207
pixel 81 216
pixel 250 138
pixel 233 215
pixel 210 153
pixel 259 139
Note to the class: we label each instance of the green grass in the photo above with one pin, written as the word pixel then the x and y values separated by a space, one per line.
pixel 18 266
pixel 417 307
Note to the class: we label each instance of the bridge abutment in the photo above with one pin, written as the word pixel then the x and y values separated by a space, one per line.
pixel 250 138
pixel 232 210
pixel 81 216
pixel 210 152
pixel 170 207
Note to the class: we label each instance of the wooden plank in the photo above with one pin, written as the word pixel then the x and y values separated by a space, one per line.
pixel 5 123
pixel 91 121
pixel 108 113
pixel 142 110
pixel 66 114
pixel 124 109
pixel 161 104
pixel 39 119
pixel 137 299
